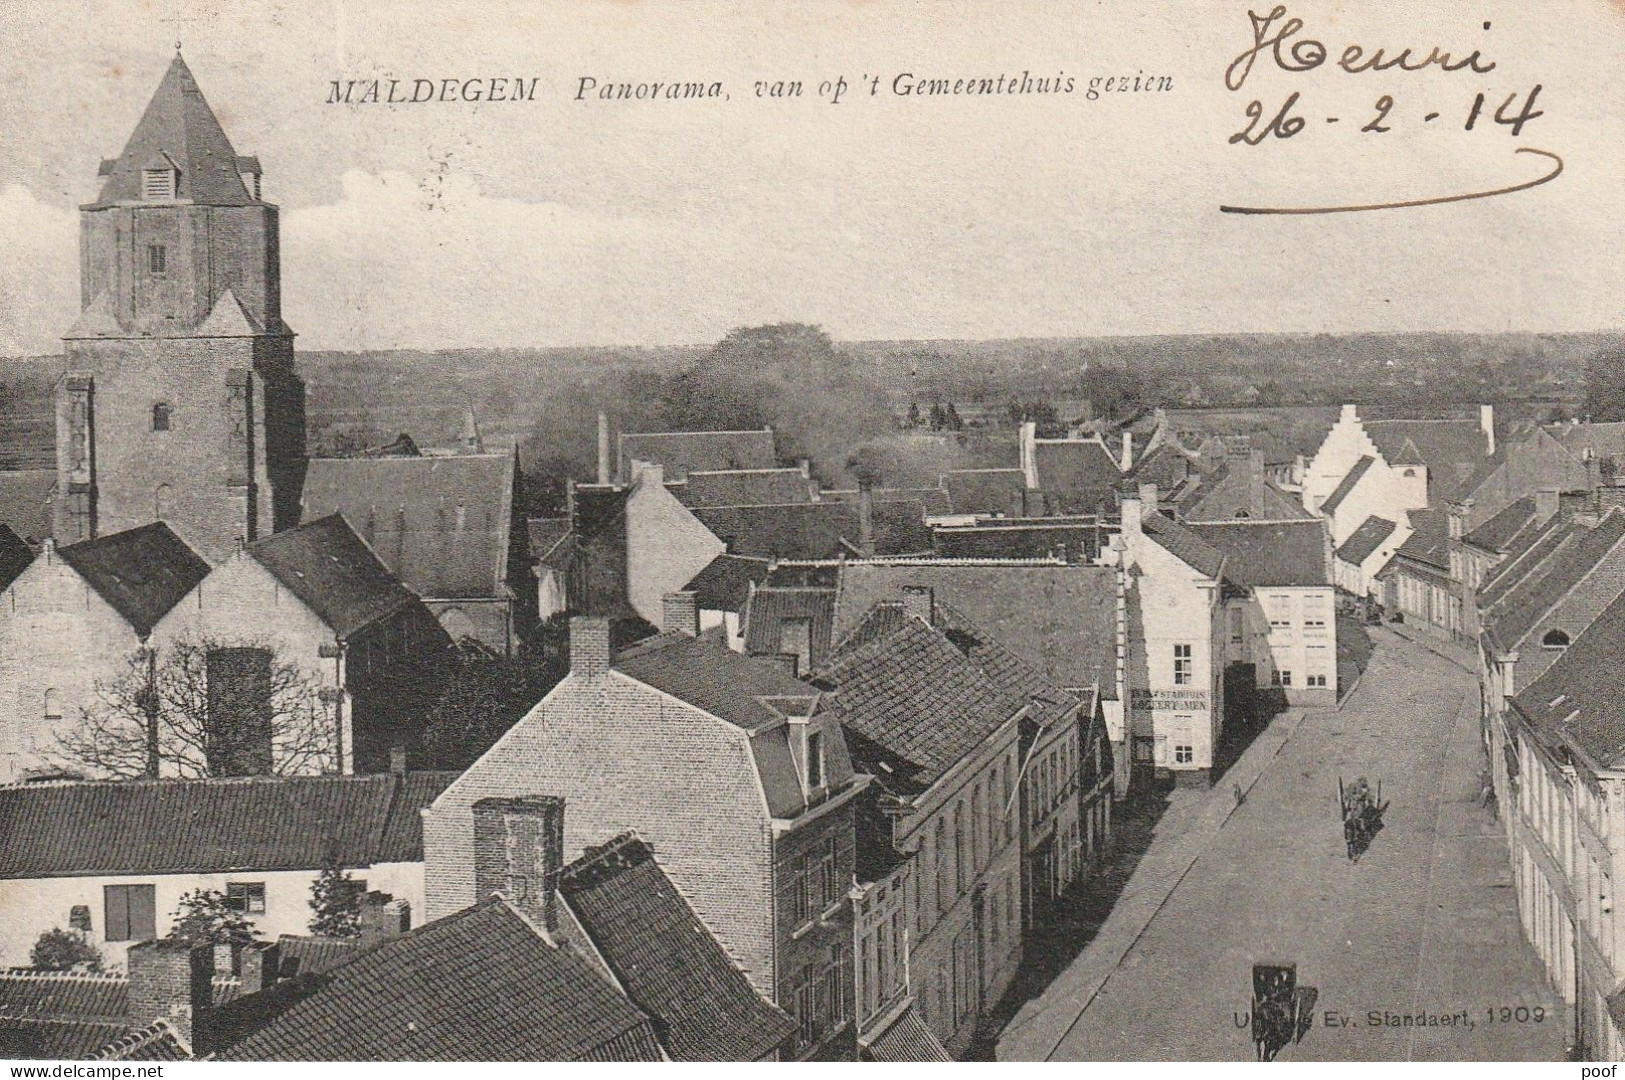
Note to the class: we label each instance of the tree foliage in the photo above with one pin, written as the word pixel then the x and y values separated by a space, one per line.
pixel 206 917
pixel 65 950
pixel 335 902
pixel 154 718
pixel 1605 386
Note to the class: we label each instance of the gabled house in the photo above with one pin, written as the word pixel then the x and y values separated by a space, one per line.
pixel 1367 551
pixel 735 772
pixel 722 591
pixel 71 625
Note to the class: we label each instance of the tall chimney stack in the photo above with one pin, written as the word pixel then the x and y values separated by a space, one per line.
pixel 589 646
pixel 1128 450
pixel 1029 454
pixel 382 916
pixel 866 518
pixel 603 448
pixel 1486 421
pixel 172 982
pixel 680 613
pixel 920 602
pixel 519 852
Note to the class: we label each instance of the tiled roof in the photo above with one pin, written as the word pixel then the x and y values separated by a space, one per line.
pixel 913 704
pixel 302 954
pixel 680 452
pixel 1258 553
pixel 1582 695
pixel 1078 475
pixel 1076 540
pixel 441 524
pixel 155 1042
pixel 64 996
pixel 669 964
pixel 56 1040
pixel 747 487
pixel 1499 531
pixel 1429 541
pixel 25 502
pixel 1451 449
pixel 1513 615
pixel 325 564
pixel 770 605
pixel 906 1038
pixel 178 126
pixel 1605 440
pixel 983 491
pixel 820 530
pixel 1183 544
pixel 1167 465
pixel 1060 619
pixel 1526 558
pixel 480 985
pixel 1366 539
pixel 142 573
pixel 1347 485
pixel 92 828
pixel 933 499
pixel 712 678
pixel 1019 680
pixel 14 556
pixel 1231 492
pixel 724 584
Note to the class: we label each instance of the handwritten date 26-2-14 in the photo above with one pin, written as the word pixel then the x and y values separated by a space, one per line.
pixel 1513 113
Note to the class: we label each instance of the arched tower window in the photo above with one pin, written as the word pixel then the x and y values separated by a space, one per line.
pixel 160 416
pixel 1555 639
pixel 53 705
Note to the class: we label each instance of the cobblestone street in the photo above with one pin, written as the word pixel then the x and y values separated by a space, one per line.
pixel 1425 922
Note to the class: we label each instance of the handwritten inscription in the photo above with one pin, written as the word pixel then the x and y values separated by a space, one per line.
pixel 1274 33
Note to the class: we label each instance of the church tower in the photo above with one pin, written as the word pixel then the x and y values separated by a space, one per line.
pixel 180 402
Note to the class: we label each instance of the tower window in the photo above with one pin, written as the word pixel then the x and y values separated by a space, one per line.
pixel 160 416
pixel 157 258
pixel 157 183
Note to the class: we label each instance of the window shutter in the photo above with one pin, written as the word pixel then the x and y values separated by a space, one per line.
pixel 143 912
pixel 116 921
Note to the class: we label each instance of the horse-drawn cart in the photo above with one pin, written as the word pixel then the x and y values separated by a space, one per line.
pixel 1362 814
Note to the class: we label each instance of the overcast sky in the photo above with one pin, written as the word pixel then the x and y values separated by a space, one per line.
pixel 558 222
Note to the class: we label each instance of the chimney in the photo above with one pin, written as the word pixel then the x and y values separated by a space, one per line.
pixel 805 465
pixel 1255 482
pixel 866 518
pixel 397 760
pixel 1593 469
pixel 920 602
pixel 174 982
pixel 1131 510
pixel 603 448
pixel 1348 414
pixel 1148 499
pixel 680 613
pixel 260 963
pixel 1128 449
pixel 1029 454
pixel 382 916
pixel 589 646
pixel 1545 505
pixel 519 852
pixel 1486 421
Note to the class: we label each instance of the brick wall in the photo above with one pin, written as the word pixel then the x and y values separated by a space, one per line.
pixel 623 756
pixel 817 942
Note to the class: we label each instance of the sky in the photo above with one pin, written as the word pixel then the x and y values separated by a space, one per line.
pixel 558 222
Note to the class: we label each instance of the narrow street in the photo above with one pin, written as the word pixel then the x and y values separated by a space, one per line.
pixel 1426 922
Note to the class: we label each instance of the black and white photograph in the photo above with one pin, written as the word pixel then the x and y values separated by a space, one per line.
pixel 825 531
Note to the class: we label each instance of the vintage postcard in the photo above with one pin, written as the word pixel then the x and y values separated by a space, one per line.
pixel 640 530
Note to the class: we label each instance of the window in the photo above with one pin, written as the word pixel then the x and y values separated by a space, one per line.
pixel 943 899
pixel 815 759
pixel 1555 639
pixel 247 897
pixel 1235 626
pixel 1183 754
pixel 1004 803
pixel 53 705
pixel 131 912
pixel 829 873
pixel 1286 678
pixel 157 183
pixel 961 864
pixel 977 811
pixel 1315 680
pixel 160 416
pixel 1184 666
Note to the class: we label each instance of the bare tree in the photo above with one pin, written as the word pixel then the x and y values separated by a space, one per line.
pixel 205 708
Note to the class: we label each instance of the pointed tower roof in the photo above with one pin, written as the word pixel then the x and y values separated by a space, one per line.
pixel 228 319
pixel 180 128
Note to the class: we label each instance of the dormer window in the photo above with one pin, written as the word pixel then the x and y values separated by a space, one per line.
pixel 158 183
pixel 1555 639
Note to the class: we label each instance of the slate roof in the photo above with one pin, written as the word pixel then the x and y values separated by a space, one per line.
pixel 1263 553
pixel 1513 615
pixel 1528 558
pixel 1366 539
pixel 1429 541
pixel 480 985
pixel 440 524
pixel 14 556
pixel 681 452
pixel 97 828
pixel 325 564
pixel 142 573
pixel 1077 475
pixel 25 502
pixel 1499 531
pixel 669 964
pixel 1451 449
pixel 1062 620
pixel 1183 544
pixel 1605 440
pixel 724 584
pixel 1077 540
pixel 712 678
pixel 912 703
pixel 179 126
pixel 1582 695
pixel 1347 484
pixel 820 530
pixel 747 487
pixel 770 605
pixel 933 499
pixel 983 491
